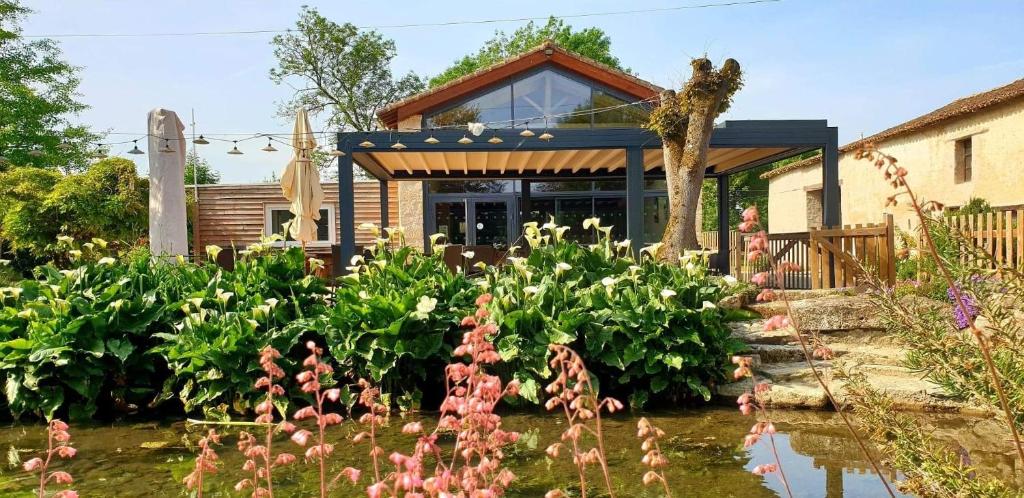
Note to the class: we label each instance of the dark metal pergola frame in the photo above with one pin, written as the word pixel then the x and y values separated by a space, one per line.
pixel 797 136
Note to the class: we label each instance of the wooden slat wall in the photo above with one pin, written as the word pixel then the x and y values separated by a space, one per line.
pixel 1000 234
pixel 234 214
pixel 851 249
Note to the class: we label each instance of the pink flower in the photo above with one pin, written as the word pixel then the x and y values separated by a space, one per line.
pixel 304 413
pixel 61 477
pixel 67 452
pixel 352 474
pixel 301 437
pixel 759 278
pixel 33 464
pixel 766 468
pixel 68 493
pixel 284 459
pixel 375 490
pixel 412 428
pixel 776 322
pixel 333 394
pixel 751 214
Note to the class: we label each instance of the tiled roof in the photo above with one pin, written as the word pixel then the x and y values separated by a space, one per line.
pixel 957 108
pixel 803 163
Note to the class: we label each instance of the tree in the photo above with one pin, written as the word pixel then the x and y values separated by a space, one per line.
pixel 108 200
pixel 685 121
pixel 592 43
pixel 38 95
pixel 197 167
pixel 343 71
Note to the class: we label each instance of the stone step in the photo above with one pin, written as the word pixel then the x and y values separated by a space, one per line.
pixel 829 312
pixel 753 332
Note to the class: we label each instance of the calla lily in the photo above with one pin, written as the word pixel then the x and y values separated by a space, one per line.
pixel 374 229
pixel 652 249
pixel 100 242
pixel 75 253
pixel 550 225
pixel 107 261
pixel 64 239
pixel 425 305
pixel 212 251
pixel 591 222
pixel 356 260
pixel 481 265
pixel 89 245
pixel 468 254
pixel 530 290
pixel 608 281
pixel 315 264
pixel 435 237
pixel 667 293
pixel 5 262
pixel 730 280
pixel 560 232
pixel 562 267
pixel 707 305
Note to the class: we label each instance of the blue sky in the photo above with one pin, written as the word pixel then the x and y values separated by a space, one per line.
pixel 863 65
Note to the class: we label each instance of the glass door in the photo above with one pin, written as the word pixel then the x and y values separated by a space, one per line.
pixel 450 219
pixel 491 223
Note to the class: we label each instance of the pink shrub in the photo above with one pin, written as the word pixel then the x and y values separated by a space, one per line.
pixel 58 443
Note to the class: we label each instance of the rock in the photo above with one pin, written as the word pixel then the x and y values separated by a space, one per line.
pixel 830 312
pixel 733 302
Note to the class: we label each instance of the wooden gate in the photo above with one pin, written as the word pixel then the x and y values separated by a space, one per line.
pixel 839 255
pixel 1000 234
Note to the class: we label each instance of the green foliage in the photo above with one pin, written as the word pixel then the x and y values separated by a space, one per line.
pixel 975 205
pixel 396 319
pixel 197 168
pixel 929 468
pixel 133 331
pixel 644 328
pixel 341 69
pixel 108 201
pixel 38 95
pixel 592 43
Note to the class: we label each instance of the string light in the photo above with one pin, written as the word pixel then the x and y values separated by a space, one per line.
pixel 431 140
pixel 366 144
pixel 167 147
pixel 495 139
pixel 527 133
pixel 201 140
pixel 136 150
pixel 100 153
pixel 234 150
pixel 465 140
pixel 270 146
pixel 398 145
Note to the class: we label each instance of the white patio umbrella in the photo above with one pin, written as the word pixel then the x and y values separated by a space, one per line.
pixel 300 183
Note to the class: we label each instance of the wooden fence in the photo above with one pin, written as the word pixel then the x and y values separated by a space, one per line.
pixel 838 255
pixel 827 257
pixel 1000 234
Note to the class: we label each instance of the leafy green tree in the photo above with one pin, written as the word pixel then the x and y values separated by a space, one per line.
pixel 197 167
pixel 593 43
pixel 108 200
pixel 38 95
pixel 340 70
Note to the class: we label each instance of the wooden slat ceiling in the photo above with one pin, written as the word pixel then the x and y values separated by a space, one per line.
pixel 551 161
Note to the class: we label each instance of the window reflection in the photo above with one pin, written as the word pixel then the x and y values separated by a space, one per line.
pixel 612 211
pixel 549 93
pixel 655 218
pixel 620 117
pixel 451 221
pixel 494 106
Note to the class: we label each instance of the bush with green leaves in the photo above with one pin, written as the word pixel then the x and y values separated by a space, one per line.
pixel 121 334
pixel 396 318
pixel 643 327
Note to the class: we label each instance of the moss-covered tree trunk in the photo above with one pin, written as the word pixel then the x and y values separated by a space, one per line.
pixel 685 122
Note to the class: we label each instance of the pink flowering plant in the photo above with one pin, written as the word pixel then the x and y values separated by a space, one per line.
pixel 315 372
pixel 206 463
pixel 58 444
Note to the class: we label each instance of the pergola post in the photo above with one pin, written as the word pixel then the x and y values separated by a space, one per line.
pixel 831 215
pixel 384 221
pixel 346 204
pixel 723 224
pixel 526 202
pixel 635 197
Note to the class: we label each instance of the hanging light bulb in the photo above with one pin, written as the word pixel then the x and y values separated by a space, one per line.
pixel 336 153
pixel 546 136
pixel 398 145
pixel 526 133
pixel 201 141
pixel 136 150
pixel 366 144
pixel 100 153
pixel 465 140
pixel 495 139
pixel 270 146
pixel 167 147
pixel 431 140
pixel 234 150
pixel 64 146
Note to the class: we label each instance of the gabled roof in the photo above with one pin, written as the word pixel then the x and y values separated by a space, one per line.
pixel 545 53
pixel 803 163
pixel 955 109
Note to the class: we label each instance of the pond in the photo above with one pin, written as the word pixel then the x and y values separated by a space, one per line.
pixel 703 445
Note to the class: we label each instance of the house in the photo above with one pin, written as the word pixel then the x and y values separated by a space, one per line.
pixel 972 147
pixel 562 137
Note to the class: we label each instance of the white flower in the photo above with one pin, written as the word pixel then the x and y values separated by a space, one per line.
pixel 212 251
pixel 481 265
pixel 468 254
pixel 435 237
pixel 730 280
pixel 550 225
pixel 652 249
pixel 272 302
pixel 707 305
pixel 315 264
pixel 89 245
pixel 64 239
pixel 197 302
pixel 633 268
pixel 5 262
pixel 607 281
pixel 27 314
pixel 224 297
pixel 560 232
pixel 561 267
pixel 623 244
pixel 356 260
pixel 75 253
pixel 180 259
pixel 14 292
pixel 425 306
pixel 530 290
pixel 371 227
pixel 667 293
pixel 107 261
pixel 591 222
pixel 100 242
pixel 117 304
pixel 363 295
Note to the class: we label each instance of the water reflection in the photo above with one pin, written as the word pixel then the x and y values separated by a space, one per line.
pixel 704 446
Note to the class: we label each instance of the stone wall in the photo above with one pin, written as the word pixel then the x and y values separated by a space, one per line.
pixel 410 196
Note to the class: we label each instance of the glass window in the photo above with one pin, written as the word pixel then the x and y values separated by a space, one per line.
pixel 657 184
pixel 491 107
pixel 617 117
pixel 655 218
pixel 612 211
pixel 443 187
pixel 548 93
pixel 488 186
pixel 451 221
pixel 564 186
pixel 541 210
pixel 607 185
pixel 280 216
pixel 571 213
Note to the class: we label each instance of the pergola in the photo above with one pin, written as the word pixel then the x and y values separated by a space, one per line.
pixel 578 153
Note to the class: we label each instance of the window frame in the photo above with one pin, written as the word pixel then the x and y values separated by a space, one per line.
pixel 510 81
pixel 963 162
pixel 332 232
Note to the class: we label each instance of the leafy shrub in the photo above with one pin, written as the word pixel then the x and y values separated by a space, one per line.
pixel 396 318
pixel 643 327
